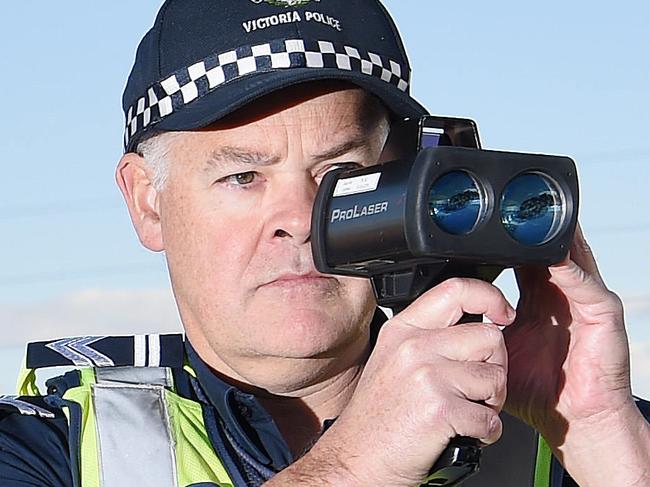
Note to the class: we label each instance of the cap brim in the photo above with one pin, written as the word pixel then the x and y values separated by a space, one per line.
pixel 240 92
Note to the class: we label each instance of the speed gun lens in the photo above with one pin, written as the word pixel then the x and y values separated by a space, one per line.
pixel 455 203
pixel 532 209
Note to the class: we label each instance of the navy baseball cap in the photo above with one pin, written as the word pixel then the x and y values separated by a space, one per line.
pixel 203 59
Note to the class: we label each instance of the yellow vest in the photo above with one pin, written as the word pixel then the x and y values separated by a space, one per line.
pixel 130 427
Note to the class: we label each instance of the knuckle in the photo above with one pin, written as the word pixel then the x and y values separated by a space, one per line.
pixel 453 286
pixel 500 377
pixel 477 422
pixel 386 332
pixel 436 411
pixel 407 352
pixel 425 379
pixel 615 301
pixel 494 374
pixel 495 378
pixel 492 334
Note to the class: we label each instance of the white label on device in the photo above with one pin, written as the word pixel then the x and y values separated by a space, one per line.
pixel 357 184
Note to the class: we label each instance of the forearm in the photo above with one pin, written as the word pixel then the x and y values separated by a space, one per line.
pixel 318 467
pixel 612 450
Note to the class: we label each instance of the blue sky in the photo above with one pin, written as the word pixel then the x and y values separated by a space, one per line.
pixel 558 77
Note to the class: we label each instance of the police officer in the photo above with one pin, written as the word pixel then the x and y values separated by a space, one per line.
pixel 235 109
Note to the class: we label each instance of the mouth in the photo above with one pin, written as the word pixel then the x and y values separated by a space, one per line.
pixel 296 280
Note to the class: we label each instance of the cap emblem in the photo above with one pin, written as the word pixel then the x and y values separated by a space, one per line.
pixel 285 3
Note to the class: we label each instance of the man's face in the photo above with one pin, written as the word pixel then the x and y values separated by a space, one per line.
pixel 235 218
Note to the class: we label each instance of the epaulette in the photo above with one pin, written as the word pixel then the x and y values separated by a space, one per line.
pixel 27 406
pixel 152 350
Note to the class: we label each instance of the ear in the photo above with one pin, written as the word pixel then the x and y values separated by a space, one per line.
pixel 134 179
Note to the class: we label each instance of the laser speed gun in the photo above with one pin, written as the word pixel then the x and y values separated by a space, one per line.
pixel 446 208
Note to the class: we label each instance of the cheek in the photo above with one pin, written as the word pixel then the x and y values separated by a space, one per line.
pixel 207 246
pixel 358 292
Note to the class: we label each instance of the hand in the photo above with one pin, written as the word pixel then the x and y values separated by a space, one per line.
pixel 422 384
pixel 567 349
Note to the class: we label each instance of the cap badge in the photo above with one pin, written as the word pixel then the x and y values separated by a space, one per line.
pixel 285 3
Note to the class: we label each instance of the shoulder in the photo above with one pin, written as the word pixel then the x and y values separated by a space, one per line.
pixel 34 432
pixel 33 443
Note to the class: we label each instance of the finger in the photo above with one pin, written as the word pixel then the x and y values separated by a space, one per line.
pixel 475 420
pixel 579 254
pixel 479 381
pixel 443 305
pixel 582 254
pixel 583 288
pixel 471 342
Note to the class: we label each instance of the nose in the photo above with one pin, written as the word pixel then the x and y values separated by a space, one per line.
pixel 291 209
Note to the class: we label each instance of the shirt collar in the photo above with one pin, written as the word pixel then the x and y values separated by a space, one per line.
pixel 250 425
pixel 246 419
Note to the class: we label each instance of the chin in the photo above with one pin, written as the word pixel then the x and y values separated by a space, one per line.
pixel 304 333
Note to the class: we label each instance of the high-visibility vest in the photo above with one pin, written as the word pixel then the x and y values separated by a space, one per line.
pixel 130 427
pixel 127 423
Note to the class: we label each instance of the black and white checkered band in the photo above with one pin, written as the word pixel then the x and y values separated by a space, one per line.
pixel 191 83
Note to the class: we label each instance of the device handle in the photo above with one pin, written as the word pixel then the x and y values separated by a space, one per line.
pixel 459 461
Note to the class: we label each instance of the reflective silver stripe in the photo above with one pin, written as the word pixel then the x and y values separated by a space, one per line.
pixel 25 407
pixel 134 435
pixel 79 351
pixel 139 350
pixel 153 341
pixel 157 376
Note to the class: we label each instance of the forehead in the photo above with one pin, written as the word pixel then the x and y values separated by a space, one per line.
pixel 319 112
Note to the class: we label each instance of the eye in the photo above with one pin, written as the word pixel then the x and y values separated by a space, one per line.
pixel 348 166
pixel 240 179
pixel 339 165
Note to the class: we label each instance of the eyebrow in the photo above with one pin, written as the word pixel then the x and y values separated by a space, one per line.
pixel 342 149
pixel 230 154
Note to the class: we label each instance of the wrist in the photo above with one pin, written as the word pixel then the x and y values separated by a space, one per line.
pixel 330 463
pixel 613 444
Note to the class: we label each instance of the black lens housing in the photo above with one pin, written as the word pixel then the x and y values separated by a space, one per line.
pixel 389 227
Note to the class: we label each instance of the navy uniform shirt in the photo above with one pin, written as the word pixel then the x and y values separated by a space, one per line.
pixel 34 450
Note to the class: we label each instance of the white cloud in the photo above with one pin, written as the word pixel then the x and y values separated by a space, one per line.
pixel 90 312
